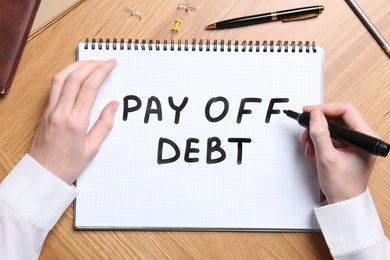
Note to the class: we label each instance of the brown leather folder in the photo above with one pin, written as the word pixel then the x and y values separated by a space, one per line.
pixel 16 18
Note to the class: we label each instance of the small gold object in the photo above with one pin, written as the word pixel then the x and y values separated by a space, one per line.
pixel 175 28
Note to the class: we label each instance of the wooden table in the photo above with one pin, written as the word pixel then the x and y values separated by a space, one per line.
pixel 356 70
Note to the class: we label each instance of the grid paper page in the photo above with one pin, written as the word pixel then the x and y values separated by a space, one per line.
pixel 272 186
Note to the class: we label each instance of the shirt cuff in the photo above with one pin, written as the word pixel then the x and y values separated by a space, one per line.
pixel 350 225
pixel 36 194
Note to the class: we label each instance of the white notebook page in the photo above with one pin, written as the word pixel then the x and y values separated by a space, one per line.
pixel 273 187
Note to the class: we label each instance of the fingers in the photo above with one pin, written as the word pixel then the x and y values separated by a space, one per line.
pixel 58 82
pixel 309 148
pixel 347 112
pixel 102 127
pixel 320 136
pixel 89 89
pixel 75 80
pixel 78 83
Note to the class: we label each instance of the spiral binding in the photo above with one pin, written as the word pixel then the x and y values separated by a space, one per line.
pixel 179 45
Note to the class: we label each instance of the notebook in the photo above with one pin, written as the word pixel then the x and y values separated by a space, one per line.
pixel 199 142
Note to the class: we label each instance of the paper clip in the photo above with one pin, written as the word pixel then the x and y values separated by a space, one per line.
pixel 175 28
pixel 134 11
pixel 186 7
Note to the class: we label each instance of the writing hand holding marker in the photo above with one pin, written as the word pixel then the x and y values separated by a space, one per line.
pixel 348 136
pixel 343 169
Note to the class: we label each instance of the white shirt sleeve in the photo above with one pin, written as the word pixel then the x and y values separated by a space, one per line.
pixel 352 229
pixel 31 202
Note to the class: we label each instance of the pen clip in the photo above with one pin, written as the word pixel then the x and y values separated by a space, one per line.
pixel 301 17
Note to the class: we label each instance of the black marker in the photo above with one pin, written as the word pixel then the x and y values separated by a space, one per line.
pixel 368 143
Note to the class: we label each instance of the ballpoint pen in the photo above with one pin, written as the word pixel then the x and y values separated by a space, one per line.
pixel 285 16
pixel 348 136
pixel 369 25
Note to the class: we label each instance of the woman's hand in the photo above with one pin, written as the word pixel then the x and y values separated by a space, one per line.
pixel 62 144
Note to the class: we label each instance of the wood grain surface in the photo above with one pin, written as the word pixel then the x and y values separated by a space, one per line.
pixel 356 70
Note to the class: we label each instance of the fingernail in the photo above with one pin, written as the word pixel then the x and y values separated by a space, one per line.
pixel 301 137
pixel 115 106
pixel 315 115
pixel 111 61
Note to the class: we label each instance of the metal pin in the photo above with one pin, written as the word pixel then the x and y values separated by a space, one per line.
pixel 186 7
pixel 134 11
